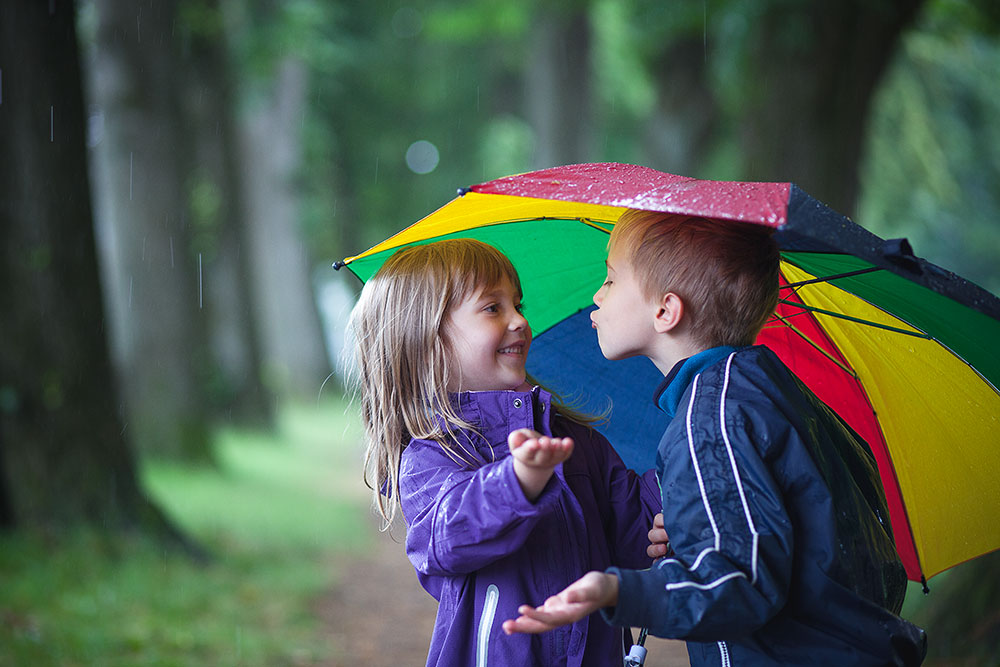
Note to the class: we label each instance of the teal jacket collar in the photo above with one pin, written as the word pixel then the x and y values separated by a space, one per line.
pixel 669 393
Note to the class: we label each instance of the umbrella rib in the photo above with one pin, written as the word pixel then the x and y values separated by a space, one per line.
pixel 829 278
pixel 798 332
pixel 858 320
pixel 587 222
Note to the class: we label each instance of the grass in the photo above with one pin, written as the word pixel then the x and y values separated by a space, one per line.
pixel 274 514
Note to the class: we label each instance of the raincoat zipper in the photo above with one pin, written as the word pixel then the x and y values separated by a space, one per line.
pixel 486 624
pixel 724 654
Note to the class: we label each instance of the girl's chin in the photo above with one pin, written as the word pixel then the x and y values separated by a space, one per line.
pixel 524 386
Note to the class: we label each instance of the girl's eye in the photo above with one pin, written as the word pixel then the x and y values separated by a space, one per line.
pixel 606 283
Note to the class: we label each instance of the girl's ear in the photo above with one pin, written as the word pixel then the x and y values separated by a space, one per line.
pixel 669 311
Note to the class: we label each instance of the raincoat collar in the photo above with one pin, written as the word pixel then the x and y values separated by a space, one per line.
pixel 670 391
pixel 495 414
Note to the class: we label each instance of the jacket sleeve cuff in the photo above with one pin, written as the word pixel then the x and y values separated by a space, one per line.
pixel 633 609
pixel 513 494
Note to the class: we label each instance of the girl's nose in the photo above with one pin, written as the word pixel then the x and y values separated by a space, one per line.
pixel 599 296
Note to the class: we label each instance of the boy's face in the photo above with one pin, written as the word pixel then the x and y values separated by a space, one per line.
pixel 488 338
pixel 624 316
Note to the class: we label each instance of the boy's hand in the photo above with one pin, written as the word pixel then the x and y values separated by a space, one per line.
pixel 535 456
pixel 658 539
pixel 583 597
pixel 538 451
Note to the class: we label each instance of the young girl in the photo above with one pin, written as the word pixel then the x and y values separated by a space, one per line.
pixel 440 345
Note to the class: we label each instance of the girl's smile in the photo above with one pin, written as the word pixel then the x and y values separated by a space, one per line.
pixel 488 339
pixel 513 349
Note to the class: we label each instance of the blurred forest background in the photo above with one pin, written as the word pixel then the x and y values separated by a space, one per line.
pixel 178 176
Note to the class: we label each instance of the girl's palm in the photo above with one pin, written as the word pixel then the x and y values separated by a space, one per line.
pixel 539 451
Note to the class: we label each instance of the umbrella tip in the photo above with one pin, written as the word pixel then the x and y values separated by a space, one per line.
pixel 339 264
pixel 900 252
pixel 923 582
pixel 464 191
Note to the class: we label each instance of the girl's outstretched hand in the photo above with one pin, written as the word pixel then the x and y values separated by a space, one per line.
pixel 535 456
pixel 538 451
pixel 583 597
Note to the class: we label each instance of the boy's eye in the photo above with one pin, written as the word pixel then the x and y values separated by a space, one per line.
pixel 492 308
pixel 519 308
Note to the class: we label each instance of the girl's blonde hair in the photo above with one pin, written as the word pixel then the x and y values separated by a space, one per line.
pixel 401 365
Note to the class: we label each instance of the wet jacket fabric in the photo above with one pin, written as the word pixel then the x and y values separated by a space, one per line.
pixel 783 552
pixel 482 549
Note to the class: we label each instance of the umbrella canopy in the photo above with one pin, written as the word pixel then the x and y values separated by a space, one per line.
pixel 904 351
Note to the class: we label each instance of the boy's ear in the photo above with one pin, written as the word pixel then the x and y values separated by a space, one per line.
pixel 669 311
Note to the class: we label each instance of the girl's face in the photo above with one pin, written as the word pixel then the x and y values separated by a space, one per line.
pixel 488 339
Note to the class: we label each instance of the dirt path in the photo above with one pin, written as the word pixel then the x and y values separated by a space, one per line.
pixel 381 616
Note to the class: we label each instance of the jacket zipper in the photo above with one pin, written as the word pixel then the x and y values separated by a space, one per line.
pixel 724 654
pixel 486 624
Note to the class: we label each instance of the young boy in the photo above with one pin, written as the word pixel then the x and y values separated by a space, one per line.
pixel 782 549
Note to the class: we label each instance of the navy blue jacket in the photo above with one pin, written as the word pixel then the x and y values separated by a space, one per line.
pixel 783 552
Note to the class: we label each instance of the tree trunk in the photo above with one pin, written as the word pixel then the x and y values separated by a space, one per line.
pixel 558 95
pixel 220 223
pixel 817 65
pixel 159 279
pixel 680 129
pixel 295 360
pixel 63 451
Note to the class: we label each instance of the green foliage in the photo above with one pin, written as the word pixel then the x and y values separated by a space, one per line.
pixel 469 23
pixel 933 159
pixel 622 82
pixel 89 600
pixel 961 613
pixel 272 513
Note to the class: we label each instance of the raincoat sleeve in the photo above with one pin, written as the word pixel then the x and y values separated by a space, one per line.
pixel 631 502
pixel 732 539
pixel 460 520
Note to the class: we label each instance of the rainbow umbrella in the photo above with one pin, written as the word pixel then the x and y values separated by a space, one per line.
pixel 904 351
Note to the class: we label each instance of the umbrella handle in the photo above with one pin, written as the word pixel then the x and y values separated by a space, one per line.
pixel 637 654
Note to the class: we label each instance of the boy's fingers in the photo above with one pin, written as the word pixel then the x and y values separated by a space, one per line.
pixel 656 550
pixel 657 535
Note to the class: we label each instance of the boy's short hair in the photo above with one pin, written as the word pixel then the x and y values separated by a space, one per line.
pixel 725 272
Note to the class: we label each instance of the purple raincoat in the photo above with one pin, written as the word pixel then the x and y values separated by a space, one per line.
pixel 482 549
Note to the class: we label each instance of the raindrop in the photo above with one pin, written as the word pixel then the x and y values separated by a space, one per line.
pixel 422 157
pixel 95 128
pixel 201 302
pixel 704 28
